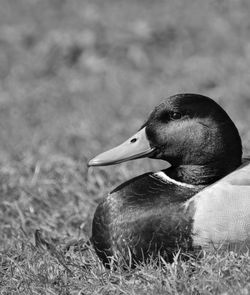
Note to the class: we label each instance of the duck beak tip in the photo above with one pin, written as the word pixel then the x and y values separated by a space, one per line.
pixel 92 163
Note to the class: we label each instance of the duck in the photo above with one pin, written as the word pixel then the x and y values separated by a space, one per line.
pixel 201 201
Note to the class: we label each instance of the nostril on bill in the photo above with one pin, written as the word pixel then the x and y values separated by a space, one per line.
pixel 133 140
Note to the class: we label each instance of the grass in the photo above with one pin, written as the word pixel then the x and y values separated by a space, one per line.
pixel 78 77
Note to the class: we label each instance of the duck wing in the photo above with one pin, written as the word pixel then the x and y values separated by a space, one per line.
pixel 222 211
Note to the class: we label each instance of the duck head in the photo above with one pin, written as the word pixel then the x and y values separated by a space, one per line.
pixel 187 130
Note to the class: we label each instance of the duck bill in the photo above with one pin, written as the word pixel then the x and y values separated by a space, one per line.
pixel 135 147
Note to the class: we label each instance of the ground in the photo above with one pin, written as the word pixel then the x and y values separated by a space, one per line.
pixel 78 77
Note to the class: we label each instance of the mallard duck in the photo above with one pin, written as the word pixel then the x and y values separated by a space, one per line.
pixel 203 199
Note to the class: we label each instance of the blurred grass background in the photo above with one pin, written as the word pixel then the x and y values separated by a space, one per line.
pixel 67 66
pixel 78 77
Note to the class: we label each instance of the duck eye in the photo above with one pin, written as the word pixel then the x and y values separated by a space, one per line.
pixel 175 116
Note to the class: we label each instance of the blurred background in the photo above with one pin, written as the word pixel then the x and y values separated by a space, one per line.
pixel 78 77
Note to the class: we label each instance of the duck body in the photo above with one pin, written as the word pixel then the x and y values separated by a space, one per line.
pixel 143 218
pixel 202 200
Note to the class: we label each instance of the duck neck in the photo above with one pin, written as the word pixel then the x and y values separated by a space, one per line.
pixel 200 174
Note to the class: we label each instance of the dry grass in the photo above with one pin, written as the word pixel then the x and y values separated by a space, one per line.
pixel 77 77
